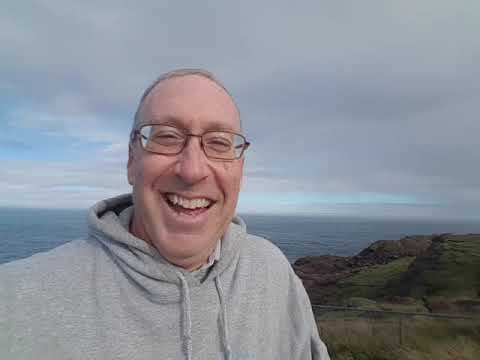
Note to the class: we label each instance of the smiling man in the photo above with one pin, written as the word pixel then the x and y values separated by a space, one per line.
pixel 185 188
pixel 169 271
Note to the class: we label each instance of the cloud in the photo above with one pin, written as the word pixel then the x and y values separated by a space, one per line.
pixel 339 98
pixel 59 185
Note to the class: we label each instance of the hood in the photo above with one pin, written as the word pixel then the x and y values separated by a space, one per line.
pixel 143 262
pixel 146 267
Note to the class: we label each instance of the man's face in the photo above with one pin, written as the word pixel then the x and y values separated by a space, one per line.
pixel 195 104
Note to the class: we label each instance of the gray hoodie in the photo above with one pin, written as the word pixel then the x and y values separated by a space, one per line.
pixel 113 296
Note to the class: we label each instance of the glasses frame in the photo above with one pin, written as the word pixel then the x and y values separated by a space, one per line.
pixel 137 133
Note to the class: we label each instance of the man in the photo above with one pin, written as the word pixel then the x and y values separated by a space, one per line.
pixel 167 272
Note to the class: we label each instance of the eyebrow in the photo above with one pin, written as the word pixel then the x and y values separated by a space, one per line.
pixel 211 125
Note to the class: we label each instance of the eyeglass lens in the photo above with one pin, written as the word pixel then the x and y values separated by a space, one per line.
pixel 165 139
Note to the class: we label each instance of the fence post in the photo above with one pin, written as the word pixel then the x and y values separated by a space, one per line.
pixel 400 335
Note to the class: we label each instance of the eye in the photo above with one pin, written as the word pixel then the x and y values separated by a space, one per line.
pixel 220 141
pixel 219 144
pixel 167 137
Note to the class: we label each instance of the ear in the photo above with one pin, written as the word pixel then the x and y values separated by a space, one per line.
pixel 242 175
pixel 130 162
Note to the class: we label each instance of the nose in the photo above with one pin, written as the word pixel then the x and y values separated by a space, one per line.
pixel 192 165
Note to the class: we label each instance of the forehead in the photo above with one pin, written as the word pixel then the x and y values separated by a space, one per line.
pixel 193 102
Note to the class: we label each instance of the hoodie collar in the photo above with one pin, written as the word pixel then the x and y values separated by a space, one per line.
pixel 144 265
pixel 141 261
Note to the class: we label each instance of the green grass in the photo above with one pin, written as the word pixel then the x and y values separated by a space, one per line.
pixel 413 307
pixel 392 339
pixel 440 280
pixel 460 268
pixel 371 282
pixel 453 271
pixel 446 279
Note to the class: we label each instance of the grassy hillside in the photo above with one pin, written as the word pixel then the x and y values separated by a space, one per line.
pixel 444 278
pixel 420 339
pixel 373 281
pixel 449 268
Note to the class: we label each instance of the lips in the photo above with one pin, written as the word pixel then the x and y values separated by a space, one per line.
pixel 191 206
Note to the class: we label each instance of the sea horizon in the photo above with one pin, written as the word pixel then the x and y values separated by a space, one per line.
pixel 422 218
pixel 25 231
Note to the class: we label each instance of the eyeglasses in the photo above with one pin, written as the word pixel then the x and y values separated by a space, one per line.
pixel 170 140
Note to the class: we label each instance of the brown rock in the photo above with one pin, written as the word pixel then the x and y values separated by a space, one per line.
pixel 320 274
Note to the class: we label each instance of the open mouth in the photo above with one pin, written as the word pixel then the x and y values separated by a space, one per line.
pixel 185 206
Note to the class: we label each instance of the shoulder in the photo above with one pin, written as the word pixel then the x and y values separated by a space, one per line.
pixel 44 282
pixel 42 271
pixel 265 258
pixel 65 254
pixel 272 271
pixel 263 250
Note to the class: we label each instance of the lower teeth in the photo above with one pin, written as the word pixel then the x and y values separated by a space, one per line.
pixel 181 208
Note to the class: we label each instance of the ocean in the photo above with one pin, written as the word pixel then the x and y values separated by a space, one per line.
pixel 24 232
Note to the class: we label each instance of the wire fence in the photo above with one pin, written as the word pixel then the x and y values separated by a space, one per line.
pixel 396 323
pixel 397 313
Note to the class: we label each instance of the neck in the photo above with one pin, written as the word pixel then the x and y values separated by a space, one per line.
pixel 189 263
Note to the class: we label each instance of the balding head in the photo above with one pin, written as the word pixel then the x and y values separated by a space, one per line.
pixel 173 74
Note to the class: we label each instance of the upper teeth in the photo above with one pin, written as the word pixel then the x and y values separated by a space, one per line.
pixel 186 203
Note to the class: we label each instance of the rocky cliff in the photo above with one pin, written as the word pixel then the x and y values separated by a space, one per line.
pixel 439 273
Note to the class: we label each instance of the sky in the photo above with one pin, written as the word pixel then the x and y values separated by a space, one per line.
pixel 353 108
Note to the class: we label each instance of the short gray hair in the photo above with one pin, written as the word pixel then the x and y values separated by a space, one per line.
pixel 177 73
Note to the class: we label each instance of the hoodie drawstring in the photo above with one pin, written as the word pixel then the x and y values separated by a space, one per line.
pixel 224 321
pixel 187 318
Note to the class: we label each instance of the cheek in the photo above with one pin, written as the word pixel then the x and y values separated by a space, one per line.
pixel 140 173
pixel 143 176
pixel 154 170
pixel 133 174
pixel 231 178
